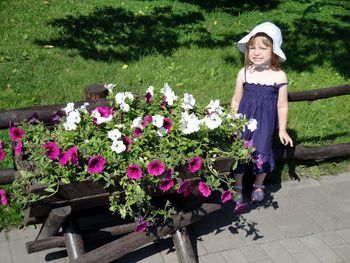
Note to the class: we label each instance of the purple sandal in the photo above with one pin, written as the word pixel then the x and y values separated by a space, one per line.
pixel 258 193
pixel 240 204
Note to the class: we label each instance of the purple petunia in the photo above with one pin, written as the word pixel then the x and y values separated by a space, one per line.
pixel 126 140
pixel 259 161
pixel 56 117
pixel 155 168
pixel 148 97
pixel 34 119
pixel 204 189
pixel 3 197
pixel 141 224
pixel 167 124
pixel 134 172
pixel 137 132
pixel 96 164
pixel 185 187
pixel 226 196
pixel 195 164
pixel 52 150
pixel 146 120
pixel 16 133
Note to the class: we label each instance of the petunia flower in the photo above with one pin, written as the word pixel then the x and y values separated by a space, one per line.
pixel 109 87
pixel 34 119
pixel 167 124
pixel 134 172
pixel 188 102
pixel 214 107
pixel 96 164
pixel 248 143
pixel 127 141
pixel 185 187
pixel 74 156
pixel 18 148
pixel 146 120
pixel 118 146
pixel 212 121
pixel 189 123
pixel 157 120
pixel 102 115
pixel 16 133
pixel 137 132
pixel 149 94
pixel 155 168
pixel 56 117
pixel 259 161
pixel 64 158
pixel 226 196
pixel 252 124
pixel 52 150
pixel 141 224
pixel 3 197
pixel 2 154
pixel 204 189
pixel 114 134
pixel 69 108
pixel 195 164
pixel 166 184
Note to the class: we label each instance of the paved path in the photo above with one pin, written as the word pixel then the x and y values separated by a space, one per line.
pixel 307 221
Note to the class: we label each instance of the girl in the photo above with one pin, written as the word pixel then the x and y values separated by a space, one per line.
pixel 261 93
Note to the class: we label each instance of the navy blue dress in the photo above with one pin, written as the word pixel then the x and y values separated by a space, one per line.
pixel 259 101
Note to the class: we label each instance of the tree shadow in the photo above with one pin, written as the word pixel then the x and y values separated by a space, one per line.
pixel 109 33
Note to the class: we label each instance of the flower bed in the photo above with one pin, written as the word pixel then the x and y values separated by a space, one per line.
pixel 133 148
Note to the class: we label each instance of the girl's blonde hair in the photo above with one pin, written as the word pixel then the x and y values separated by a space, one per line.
pixel 267 41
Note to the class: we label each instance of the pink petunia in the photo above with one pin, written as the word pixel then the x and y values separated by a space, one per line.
pixel 204 189
pixel 16 133
pixel 167 124
pixel 146 120
pixel 248 143
pixel 96 164
pixel 259 161
pixel 141 224
pixel 126 140
pixel 195 164
pixel 74 155
pixel 104 111
pixel 2 154
pixel 226 196
pixel 3 197
pixel 64 158
pixel 166 184
pixel 137 132
pixel 134 172
pixel 52 150
pixel 18 148
pixel 155 168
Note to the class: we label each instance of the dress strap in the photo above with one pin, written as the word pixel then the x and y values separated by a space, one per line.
pixel 245 74
pixel 281 84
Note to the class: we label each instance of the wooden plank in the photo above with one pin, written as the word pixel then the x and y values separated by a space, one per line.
pixel 132 241
pixel 183 246
pixel 73 239
pixel 317 94
pixel 8 175
pixel 53 222
pixel 95 91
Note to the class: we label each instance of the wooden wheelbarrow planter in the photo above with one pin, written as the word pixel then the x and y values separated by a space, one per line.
pixel 80 209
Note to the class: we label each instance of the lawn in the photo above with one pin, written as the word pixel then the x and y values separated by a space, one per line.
pixel 51 50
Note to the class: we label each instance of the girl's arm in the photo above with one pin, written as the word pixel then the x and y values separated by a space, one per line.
pixel 282 108
pixel 238 91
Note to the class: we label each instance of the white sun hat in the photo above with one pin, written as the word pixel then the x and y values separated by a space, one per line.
pixel 272 31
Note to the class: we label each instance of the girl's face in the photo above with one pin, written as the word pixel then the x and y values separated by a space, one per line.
pixel 260 51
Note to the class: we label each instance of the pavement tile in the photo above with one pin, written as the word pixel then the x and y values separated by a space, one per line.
pixel 343 251
pixel 5 253
pixel 216 257
pixel 254 253
pixel 145 254
pixel 234 256
pixel 28 232
pixel 345 234
pixel 320 249
pixel 2 236
pixel 306 256
pixel 331 238
pixel 278 253
pixel 293 245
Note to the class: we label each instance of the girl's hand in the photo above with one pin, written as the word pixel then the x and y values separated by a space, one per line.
pixel 285 138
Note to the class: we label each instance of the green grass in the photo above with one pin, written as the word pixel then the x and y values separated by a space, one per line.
pixel 51 50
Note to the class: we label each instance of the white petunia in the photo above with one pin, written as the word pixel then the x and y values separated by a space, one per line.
pixel 83 107
pixel 162 131
pixel 69 126
pixel 118 146
pixel 109 87
pixel 212 121
pixel 74 117
pixel 188 102
pixel 99 119
pixel 119 97
pixel 157 120
pixel 114 134
pixel 214 107
pixel 136 123
pixel 69 108
pixel 189 123
pixel 252 124
pixel 129 95
pixel 124 107
pixel 150 90
pixel 169 94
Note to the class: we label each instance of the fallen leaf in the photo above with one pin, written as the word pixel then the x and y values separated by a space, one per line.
pixel 125 66
pixel 48 46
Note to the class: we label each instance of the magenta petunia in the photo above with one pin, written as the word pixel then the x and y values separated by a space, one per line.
pixel 204 189
pixel 16 133
pixel 96 164
pixel 64 158
pixel 141 224
pixel 248 143
pixel 185 187
pixel 166 184
pixel 167 124
pixel 126 140
pixel 104 111
pixel 155 168
pixel 226 196
pixel 259 161
pixel 2 154
pixel 146 120
pixel 195 164
pixel 134 172
pixel 74 155
pixel 3 197
pixel 137 132
pixel 163 104
pixel 18 148
pixel 52 150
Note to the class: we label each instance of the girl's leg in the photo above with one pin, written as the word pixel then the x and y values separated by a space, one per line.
pixel 239 186
pixel 258 191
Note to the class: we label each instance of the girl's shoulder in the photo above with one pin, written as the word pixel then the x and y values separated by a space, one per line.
pixel 280 76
